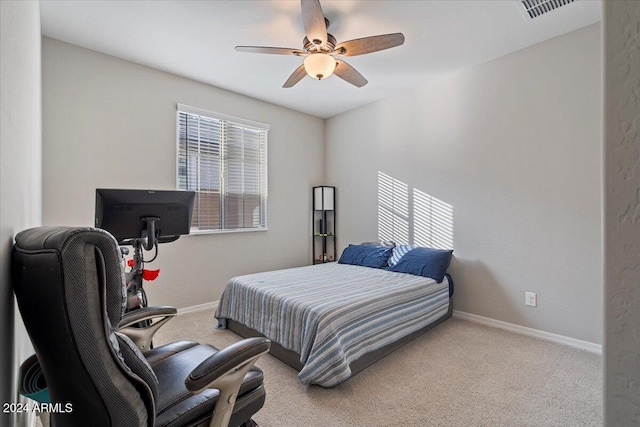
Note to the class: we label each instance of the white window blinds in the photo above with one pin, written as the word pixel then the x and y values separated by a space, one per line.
pixel 224 160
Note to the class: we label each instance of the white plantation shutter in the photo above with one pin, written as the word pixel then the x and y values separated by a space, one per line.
pixel 224 160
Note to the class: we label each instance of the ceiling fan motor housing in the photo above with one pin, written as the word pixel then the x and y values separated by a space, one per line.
pixel 311 47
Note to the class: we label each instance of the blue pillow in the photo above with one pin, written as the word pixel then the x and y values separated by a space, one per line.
pixel 398 252
pixel 426 262
pixel 366 255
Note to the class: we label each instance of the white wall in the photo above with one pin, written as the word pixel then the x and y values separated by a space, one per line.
pixel 20 175
pixel 514 146
pixel 622 213
pixel 111 123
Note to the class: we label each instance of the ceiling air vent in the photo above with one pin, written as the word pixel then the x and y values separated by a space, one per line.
pixel 536 8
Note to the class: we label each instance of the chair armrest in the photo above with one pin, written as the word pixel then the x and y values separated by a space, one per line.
pixel 146 313
pixel 225 360
pixel 142 336
pixel 225 371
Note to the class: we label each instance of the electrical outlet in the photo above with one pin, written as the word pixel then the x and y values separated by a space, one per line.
pixel 531 298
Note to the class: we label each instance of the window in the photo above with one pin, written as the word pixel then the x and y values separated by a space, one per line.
pixel 224 160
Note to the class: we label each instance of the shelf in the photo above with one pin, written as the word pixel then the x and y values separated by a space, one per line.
pixel 323 225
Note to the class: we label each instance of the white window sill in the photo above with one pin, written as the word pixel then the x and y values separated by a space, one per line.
pixel 235 230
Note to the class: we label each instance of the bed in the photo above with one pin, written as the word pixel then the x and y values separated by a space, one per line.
pixel 330 321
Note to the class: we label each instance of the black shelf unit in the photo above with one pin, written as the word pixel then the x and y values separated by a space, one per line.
pixel 323 224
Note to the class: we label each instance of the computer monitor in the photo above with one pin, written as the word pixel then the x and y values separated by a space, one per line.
pixel 151 215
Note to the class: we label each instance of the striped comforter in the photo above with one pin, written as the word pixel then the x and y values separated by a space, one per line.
pixel 331 314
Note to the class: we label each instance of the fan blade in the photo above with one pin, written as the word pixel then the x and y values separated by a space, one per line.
pixel 271 50
pixel 315 27
pixel 348 73
pixel 295 77
pixel 370 44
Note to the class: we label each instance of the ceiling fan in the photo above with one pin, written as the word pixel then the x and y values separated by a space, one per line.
pixel 320 49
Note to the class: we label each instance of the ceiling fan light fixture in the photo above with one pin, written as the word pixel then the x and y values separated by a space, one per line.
pixel 319 65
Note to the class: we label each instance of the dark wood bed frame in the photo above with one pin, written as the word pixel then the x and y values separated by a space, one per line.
pixel 292 358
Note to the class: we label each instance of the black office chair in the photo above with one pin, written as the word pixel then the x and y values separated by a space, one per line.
pixel 70 288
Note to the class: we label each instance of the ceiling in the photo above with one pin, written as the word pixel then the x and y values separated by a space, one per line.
pixel 196 39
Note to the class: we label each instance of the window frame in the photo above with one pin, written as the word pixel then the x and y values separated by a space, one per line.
pixel 235 121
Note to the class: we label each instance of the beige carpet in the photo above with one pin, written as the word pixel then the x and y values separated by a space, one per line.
pixel 458 374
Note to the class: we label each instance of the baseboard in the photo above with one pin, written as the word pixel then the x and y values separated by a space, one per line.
pixel 523 330
pixel 200 307
pixel 548 336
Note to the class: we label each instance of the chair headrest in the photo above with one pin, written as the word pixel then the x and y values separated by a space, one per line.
pixel 70 243
pixel 39 238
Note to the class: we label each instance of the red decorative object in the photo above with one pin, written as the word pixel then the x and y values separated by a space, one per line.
pixel 150 275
